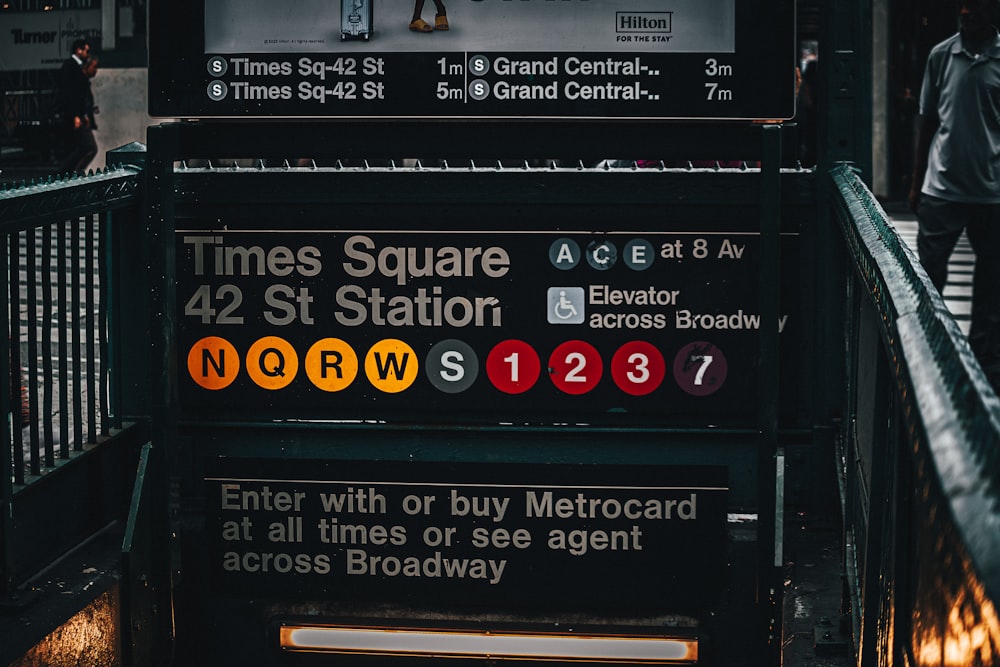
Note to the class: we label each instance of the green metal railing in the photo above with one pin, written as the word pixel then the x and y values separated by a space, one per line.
pixel 919 458
pixel 62 244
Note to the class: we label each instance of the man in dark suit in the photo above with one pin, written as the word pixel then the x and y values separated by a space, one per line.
pixel 71 108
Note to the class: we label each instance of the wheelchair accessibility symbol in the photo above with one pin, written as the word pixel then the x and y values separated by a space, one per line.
pixel 566 305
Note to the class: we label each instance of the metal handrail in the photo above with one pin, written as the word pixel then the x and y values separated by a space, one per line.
pixel 934 484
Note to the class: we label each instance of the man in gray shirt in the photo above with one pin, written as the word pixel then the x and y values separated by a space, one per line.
pixel 956 176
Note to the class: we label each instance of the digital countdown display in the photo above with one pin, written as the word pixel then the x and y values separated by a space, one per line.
pixel 473 59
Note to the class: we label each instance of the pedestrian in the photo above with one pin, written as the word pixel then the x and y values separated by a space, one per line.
pixel 71 108
pixel 956 176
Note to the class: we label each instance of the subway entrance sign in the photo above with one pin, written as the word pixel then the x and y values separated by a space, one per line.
pixel 496 315
pixel 475 401
pixel 499 59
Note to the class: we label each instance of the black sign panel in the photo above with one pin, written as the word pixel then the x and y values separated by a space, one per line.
pixel 497 59
pixel 483 326
pixel 500 536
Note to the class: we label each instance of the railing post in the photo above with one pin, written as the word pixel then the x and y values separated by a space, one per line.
pixel 770 513
pixel 133 154
pixel 6 456
pixel 845 111
pixel 120 231
pixel 159 255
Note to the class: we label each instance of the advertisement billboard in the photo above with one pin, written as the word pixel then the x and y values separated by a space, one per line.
pixel 473 59
pixel 43 40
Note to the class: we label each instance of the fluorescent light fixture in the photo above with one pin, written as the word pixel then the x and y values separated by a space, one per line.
pixel 632 649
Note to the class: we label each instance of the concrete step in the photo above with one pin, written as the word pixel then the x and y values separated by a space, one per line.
pixel 69 613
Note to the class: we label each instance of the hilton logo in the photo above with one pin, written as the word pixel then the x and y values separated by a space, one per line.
pixel 654 22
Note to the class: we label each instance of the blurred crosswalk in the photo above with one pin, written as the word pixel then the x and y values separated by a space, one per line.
pixel 57 327
pixel 958 290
